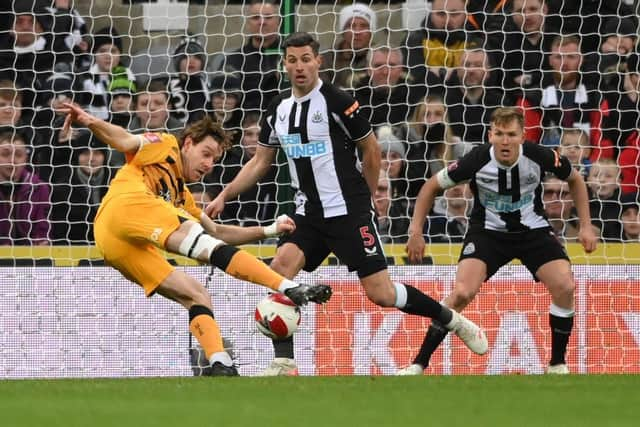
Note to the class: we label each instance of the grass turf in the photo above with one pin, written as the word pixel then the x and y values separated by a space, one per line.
pixel 325 401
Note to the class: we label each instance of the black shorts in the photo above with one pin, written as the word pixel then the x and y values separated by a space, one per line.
pixel 353 239
pixel 533 248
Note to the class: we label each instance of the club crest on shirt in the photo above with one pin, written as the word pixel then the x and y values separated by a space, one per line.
pixel 469 249
pixel 531 179
pixel 152 137
pixel 317 117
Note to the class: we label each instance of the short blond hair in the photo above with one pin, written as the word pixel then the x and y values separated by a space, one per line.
pixel 505 115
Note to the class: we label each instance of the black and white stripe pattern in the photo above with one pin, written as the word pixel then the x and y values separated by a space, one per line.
pixel 507 199
pixel 318 134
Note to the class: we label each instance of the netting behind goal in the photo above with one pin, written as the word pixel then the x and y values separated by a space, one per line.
pixel 428 87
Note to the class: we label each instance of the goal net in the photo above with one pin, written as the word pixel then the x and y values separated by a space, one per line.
pixel 428 75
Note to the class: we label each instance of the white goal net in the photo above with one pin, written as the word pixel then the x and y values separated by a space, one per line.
pixel 428 75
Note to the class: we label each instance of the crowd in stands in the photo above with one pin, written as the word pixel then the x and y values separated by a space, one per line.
pixel 573 67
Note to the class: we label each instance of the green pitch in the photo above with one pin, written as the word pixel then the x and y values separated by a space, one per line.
pixel 325 401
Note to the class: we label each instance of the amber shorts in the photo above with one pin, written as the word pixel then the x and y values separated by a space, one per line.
pixel 130 229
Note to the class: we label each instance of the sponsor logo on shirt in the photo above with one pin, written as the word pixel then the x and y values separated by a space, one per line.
pixel 503 202
pixel 295 149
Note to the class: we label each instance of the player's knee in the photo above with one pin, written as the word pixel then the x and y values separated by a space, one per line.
pixel 197 244
pixel 460 297
pixel 221 256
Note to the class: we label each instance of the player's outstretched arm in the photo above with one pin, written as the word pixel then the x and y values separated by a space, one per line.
pixel 578 190
pixel 424 203
pixel 234 235
pixel 113 135
pixel 248 176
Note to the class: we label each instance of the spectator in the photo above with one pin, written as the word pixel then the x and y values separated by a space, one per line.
pixel 619 41
pixel 386 93
pixel 188 86
pixel 257 205
pixel 122 93
pixel 448 222
pixel 355 26
pixel 107 55
pixel 69 30
pixel 586 18
pixel 200 194
pixel 470 101
pixel 559 209
pixel 226 102
pixel 630 217
pixel 526 58
pixel 26 55
pixel 603 184
pixel 76 201
pixel 24 198
pixel 442 40
pixel 52 152
pixel 622 121
pixel 151 114
pixel 391 212
pixel 568 102
pixel 393 161
pixel 152 110
pixel 14 116
pixel 256 63
pixel 574 145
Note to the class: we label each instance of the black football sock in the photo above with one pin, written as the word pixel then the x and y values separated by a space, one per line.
pixel 435 335
pixel 560 333
pixel 283 348
pixel 411 301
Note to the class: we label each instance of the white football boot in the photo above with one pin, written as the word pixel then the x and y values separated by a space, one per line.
pixel 469 333
pixel 559 369
pixel 411 370
pixel 281 366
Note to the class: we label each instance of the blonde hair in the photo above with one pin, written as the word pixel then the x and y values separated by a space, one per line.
pixel 506 115
pixel 418 126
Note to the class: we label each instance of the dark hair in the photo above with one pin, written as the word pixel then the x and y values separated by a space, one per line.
pixel 204 127
pixel 10 134
pixel 250 118
pixel 301 39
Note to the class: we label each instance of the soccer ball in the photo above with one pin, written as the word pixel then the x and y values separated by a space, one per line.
pixel 277 316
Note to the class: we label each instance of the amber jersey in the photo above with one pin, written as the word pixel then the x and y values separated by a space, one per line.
pixel 155 169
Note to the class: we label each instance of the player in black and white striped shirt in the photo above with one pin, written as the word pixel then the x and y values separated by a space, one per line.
pixel 320 128
pixel 507 222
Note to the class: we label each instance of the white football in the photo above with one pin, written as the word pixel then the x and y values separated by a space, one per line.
pixel 277 316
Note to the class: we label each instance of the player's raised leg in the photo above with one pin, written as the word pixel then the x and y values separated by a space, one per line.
pixel 189 293
pixel 557 277
pixel 192 241
pixel 385 293
pixel 469 277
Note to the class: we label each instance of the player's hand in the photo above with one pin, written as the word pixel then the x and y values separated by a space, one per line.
pixel 285 225
pixel 74 114
pixel 588 239
pixel 215 207
pixel 415 248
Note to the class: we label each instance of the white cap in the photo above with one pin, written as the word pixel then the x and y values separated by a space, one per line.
pixel 357 10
